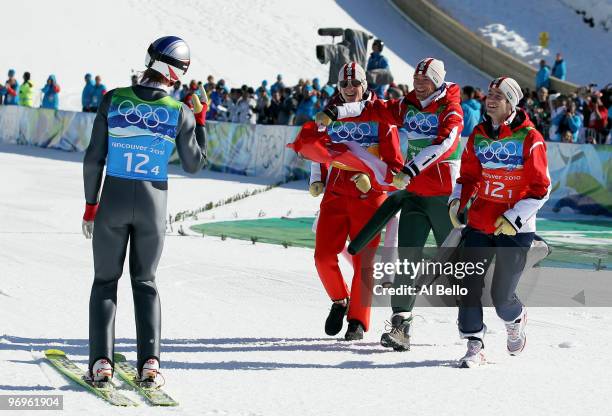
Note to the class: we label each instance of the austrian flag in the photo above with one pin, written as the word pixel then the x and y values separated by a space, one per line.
pixel 348 146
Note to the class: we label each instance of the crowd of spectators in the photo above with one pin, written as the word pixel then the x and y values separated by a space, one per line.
pixel 14 93
pixel 581 117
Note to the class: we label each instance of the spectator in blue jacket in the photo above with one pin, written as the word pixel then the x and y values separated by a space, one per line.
pixel 50 94
pixel 11 89
pixel 543 76
pixel 567 120
pixel 306 108
pixel 263 88
pixel 278 85
pixel 99 90
pixel 216 100
pixel 87 93
pixel 559 70
pixel 472 110
pixel 378 61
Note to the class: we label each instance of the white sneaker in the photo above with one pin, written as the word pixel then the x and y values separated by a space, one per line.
pixel 150 370
pixel 517 338
pixel 474 355
pixel 102 371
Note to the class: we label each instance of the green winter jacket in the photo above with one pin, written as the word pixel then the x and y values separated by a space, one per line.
pixel 26 94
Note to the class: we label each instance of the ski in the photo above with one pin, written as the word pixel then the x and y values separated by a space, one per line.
pixel 128 373
pixel 68 368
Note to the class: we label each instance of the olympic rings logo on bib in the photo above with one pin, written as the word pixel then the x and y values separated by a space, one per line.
pixel 424 123
pixel 353 131
pixel 134 114
pixel 505 152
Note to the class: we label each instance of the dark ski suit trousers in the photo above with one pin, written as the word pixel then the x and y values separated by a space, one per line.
pixel 131 212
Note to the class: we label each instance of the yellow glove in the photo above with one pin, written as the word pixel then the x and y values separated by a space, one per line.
pixel 316 188
pixel 197 105
pixel 453 213
pixel 400 180
pixel 503 226
pixel 362 182
pixel 322 119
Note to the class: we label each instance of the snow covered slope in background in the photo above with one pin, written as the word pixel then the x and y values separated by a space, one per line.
pixel 515 27
pixel 599 10
pixel 243 323
pixel 241 41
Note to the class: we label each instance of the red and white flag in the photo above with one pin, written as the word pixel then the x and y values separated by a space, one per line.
pixel 317 146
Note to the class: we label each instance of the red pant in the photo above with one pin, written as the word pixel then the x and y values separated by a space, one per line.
pixel 341 217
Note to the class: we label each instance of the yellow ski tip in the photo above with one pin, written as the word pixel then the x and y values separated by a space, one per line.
pixel 55 352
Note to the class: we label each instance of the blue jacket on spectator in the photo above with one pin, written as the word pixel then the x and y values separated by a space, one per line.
pixel 559 70
pixel 472 114
pixel 215 100
pixel 543 77
pixel 9 98
pixel 573 123
pixel 377 61
pixel 97 94
pixel 87 94
pixel 278 85
pixel 263 87
pixel 307 106
pixel 50 94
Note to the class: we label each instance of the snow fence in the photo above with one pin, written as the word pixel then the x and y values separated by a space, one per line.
pixel 581 174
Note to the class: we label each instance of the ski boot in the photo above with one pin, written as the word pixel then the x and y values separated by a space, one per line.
pixel 148 375
pixel 101 373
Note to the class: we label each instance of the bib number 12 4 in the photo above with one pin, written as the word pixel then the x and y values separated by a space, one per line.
pixel 138 160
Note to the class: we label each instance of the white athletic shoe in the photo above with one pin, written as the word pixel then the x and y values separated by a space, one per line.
pixel 474 356
pixel 517 338
pixel 102 371
pixel 150 370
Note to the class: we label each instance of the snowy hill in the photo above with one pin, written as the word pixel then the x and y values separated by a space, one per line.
pixel 243 323
pixel 241 41
pixel 515 27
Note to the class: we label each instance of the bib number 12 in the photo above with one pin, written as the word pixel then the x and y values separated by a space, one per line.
pixel 140 160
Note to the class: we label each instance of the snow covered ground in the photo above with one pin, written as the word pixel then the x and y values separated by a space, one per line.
pixel 516 27
pixel 243 324
pixel 241 41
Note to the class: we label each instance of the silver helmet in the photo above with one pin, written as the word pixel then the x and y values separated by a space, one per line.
pixel 169 56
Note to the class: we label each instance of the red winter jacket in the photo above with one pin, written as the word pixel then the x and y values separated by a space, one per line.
pixel 339 181
pixel 507 171
pixel 433 133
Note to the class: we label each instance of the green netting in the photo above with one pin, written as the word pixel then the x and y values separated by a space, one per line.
pixel 572 242
pixel 295 232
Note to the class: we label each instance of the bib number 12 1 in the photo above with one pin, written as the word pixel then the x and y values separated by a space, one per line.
pixel 138 160
pixel 496 190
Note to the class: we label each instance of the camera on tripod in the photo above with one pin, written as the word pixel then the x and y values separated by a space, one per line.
pixel 352 47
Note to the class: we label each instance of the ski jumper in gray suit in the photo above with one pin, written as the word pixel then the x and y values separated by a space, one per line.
pixel 134 134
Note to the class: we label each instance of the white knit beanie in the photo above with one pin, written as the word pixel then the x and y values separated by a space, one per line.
pixel 352 70
pixel 433 69
pixel 510 88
